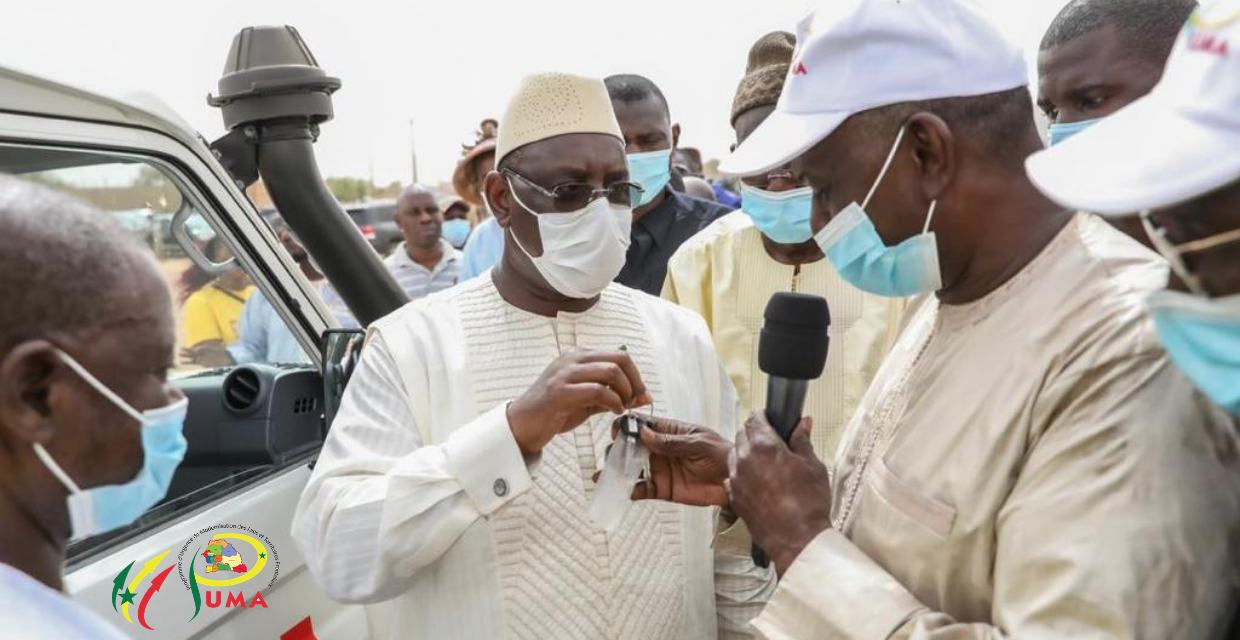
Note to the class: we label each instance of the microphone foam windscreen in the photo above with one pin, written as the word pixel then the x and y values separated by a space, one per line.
pixel 793 342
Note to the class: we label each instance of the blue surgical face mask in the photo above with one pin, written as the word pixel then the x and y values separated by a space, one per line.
pixel 1060 132
pixel 782 216
pixel 456 232
pixel 858 253
pixel 1202 337
pixel 102 509
pixel 651 171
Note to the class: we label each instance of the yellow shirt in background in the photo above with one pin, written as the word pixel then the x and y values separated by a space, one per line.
pixel 725 274
pixel 211 313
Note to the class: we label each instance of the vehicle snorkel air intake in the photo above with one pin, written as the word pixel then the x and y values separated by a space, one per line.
pixel 273 96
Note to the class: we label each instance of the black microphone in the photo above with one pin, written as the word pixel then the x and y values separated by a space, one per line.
pixel 792 351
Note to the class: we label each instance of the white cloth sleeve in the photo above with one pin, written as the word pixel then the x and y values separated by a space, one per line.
pixel 382 505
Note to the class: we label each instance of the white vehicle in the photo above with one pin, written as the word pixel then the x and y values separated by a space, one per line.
pixel 216 559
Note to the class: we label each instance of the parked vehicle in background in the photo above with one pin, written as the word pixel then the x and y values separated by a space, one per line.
pixel 375 221
pixel 162 242
pixel 140 221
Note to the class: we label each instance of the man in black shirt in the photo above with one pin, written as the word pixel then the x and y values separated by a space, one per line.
pixel 663 218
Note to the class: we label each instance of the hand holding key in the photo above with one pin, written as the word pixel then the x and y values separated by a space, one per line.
pixel 572 388
pixel 688 464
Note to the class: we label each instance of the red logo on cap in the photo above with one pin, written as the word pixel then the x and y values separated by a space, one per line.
pixel 1208 43
pixel 800 69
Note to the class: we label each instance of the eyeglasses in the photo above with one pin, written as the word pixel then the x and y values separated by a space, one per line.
pixel 763 181
pixel 572 196
pixel 1175 253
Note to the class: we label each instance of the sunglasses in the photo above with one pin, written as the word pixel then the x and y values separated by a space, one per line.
pixel 573 196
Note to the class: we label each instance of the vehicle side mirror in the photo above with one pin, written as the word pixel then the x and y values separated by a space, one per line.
pixel 342 349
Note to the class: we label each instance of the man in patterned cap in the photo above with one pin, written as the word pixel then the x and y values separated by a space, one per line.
pixel 455 485
pixel 729 271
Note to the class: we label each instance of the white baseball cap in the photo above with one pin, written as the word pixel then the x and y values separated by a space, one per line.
pixel 856 55
pixel 1180 141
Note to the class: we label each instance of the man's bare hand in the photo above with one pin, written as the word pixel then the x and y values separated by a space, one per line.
pixel 781 491
pixel 688 464
pixel 572 388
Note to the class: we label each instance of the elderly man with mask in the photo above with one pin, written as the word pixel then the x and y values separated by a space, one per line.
pixel 455 485
pixel 1027 463
pixel 729 270
pixel 663 218
pixel 1099 55
pixel 90 427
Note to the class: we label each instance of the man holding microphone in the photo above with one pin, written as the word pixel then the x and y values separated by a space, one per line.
pixel 1027 462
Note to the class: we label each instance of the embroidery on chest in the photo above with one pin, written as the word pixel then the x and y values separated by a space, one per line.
pixel 562 576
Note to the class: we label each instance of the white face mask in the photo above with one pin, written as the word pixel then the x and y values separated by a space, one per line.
pixel 583 250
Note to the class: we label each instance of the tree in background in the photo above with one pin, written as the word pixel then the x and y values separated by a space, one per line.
pixel 357 189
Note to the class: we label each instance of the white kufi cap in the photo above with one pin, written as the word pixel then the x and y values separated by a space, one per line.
pixel 553 104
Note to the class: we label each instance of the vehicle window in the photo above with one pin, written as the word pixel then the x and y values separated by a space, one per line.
pixel 210 303
pixel 223 320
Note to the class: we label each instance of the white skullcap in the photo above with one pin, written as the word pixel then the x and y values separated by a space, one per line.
pixel 553 104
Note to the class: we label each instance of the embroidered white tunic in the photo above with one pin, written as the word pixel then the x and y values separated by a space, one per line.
pixel 421 497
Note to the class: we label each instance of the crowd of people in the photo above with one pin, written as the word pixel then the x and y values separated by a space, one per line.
pixel 1028 422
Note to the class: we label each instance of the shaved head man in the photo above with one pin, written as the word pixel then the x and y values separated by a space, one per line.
pixel 425 262
pixel 1100 55
pixel 421 222
pixel 84 315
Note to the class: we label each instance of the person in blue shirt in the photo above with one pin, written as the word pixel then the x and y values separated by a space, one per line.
pixel 262 334
pixel 485 245
pixel 483 249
